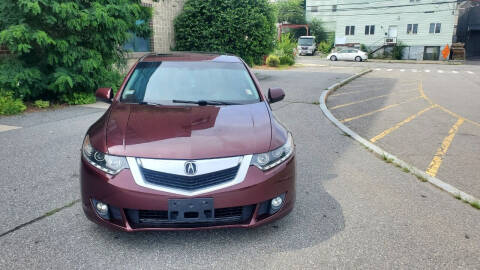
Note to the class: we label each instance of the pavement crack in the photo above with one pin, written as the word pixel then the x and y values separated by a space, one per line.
pixel 47 214
pixel 296 102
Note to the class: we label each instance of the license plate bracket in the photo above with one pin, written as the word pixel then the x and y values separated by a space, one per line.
pixel 191 210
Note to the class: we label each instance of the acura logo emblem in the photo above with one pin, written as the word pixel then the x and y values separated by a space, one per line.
pixel 190 168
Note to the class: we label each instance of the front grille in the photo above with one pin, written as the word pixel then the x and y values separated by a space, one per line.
pixel 189 182
pixel 159 219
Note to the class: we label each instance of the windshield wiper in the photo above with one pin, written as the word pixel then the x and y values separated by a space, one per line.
pixel 149 103
pixel 205 102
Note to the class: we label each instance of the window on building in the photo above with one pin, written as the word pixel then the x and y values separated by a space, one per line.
pixel 435 28
pixel 314 9
pixel 136 43
pixel 334 8
pixel 350 30
pixel 412 28
pixel 369 29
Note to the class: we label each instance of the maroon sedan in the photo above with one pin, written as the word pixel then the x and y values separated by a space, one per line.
pixel 188 142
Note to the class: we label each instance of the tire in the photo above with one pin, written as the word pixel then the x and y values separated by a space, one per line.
pixel 333 58
pixel 358 59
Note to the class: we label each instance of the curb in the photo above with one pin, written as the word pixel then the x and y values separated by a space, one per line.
pixel 420 174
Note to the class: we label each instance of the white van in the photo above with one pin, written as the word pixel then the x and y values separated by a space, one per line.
pixel 306 45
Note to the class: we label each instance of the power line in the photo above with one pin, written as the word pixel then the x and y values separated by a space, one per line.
pixel 383 7
pixel 393 13
pixel 350 4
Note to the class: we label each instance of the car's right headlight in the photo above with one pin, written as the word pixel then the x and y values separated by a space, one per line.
pixel 266 161
pixel 107 163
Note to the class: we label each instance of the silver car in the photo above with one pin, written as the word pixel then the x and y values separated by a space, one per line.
pixel 349 55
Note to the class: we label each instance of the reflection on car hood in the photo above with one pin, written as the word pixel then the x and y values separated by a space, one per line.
pixel 188 132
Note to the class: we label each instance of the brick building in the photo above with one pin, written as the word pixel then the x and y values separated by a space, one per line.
pixel 162 39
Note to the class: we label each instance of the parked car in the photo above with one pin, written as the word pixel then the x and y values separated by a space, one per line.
pixel 349 55
pixel 306 45
pixel 188 142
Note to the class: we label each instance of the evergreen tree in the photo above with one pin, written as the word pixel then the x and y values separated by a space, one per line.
pixel 61 47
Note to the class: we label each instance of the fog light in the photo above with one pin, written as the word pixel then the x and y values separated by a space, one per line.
pixel 277 202
pixel 102 208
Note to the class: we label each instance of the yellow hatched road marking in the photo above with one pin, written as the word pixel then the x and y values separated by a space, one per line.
pixel 366 91
pixel 368 99
pixel 397 126
pixel 357 102
pixel 379 110
pixel 442 150
pixel 422 93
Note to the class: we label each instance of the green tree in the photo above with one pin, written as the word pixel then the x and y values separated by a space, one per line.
pixel 317 30
pixel 242 27
pixel 60 47
pixel 291 11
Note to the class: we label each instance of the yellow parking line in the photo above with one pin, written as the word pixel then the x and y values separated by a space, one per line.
pixel 379 110
pixel 371 90
pixel 422 93
pixel 397 126
pixel 357 102
pixel 368 99
pixel 7 128
pixel 442 150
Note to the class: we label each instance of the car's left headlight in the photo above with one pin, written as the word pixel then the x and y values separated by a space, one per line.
pixel 107 163
pixel 266 161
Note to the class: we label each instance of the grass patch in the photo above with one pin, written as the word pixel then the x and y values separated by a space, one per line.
pixel 346 134
pixel 316 103
pixel 457 196
pixel 475 204
pixel 406 170
pixel 421 178
pixel 387 159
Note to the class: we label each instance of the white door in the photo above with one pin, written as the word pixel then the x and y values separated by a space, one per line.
pixel 392 31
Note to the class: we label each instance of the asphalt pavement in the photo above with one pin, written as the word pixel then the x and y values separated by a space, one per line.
pixel 353 210
pixel 428 119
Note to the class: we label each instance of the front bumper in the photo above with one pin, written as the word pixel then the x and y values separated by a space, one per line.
pixel 127 198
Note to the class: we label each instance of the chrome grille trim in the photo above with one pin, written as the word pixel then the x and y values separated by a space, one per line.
pixel 212 164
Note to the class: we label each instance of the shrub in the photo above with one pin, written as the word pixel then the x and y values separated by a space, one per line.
pixel 397 52
pixel 10 105
pixel 287 60
pixel 42 104
pixel 273 61
pixel 79 98
pixel 243 27
pixel 59 47
pixel 363 48
pixel 317 30
pixel 325 47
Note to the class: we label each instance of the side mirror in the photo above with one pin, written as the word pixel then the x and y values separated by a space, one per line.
pixel 104 94
pixel 275 95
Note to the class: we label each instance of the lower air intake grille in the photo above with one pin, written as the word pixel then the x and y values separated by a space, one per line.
pixel 159 219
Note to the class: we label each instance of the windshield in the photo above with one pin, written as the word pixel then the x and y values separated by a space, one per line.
pixel 166 82
pixel 305 41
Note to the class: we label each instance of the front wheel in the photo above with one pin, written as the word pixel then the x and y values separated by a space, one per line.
pixel 333 58
pixel 358 59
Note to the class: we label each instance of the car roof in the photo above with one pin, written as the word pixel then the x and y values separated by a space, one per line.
pixel 191 57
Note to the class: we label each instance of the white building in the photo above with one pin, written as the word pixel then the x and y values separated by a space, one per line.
pixel 424 26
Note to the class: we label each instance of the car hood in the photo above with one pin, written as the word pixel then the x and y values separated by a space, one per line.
pixel 188 132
